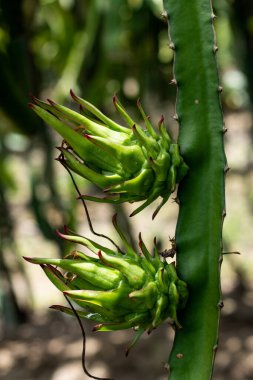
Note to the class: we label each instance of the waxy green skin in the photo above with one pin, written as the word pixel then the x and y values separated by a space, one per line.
pixel 129 163
pixel 118 290
pixel 201 193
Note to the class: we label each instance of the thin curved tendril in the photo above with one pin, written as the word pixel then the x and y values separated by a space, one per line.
pixel 61 160
pixel 84 343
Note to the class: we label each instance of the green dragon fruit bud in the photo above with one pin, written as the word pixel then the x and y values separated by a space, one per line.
pixel 117 290
pixel 129 163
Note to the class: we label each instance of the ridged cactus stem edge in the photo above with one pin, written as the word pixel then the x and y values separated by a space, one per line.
pixel 201 193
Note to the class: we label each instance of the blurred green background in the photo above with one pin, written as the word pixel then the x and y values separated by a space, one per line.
pixel 99 48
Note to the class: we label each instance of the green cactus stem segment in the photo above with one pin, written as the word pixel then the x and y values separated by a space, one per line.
pixel 117 291
pixel 129 163
pixel 201 193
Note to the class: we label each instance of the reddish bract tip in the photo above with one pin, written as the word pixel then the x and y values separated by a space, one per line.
pixel 140 241
pixel 115 100
pixel 51 102
pixel 160 122
pixel 72 94
pixel 97 327
pixel 114 219
pixel 88 137
pixel 66 230
pixel 66 292
pixel 32 96
pixel 56 307
pixel 134 128
pixel 61 235
pixel 31 105
pixel 29 259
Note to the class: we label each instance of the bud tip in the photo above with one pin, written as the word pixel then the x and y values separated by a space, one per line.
pixel 31 105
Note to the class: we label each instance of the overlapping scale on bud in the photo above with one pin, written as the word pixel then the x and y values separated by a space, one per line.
pixel 117 290
pixel 129 163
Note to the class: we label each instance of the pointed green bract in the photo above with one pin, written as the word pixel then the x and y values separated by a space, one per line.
pixel 130 162
pixel 118 291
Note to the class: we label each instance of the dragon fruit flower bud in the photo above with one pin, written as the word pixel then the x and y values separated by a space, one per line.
pixel 117 290
pixel 129 163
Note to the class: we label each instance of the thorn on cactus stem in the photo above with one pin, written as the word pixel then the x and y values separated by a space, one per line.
pixel 224 213
pixel 224 130
pixel 175 117
pixel 231 253
pixel 215 49
pixel 220 304
pixel 164 15
pixel 226 169
pixel 176 200
pixel 167 367
pixel 173 82
pixel 220 89
pixel 215 347
pixel 213 16
pixel 172 46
